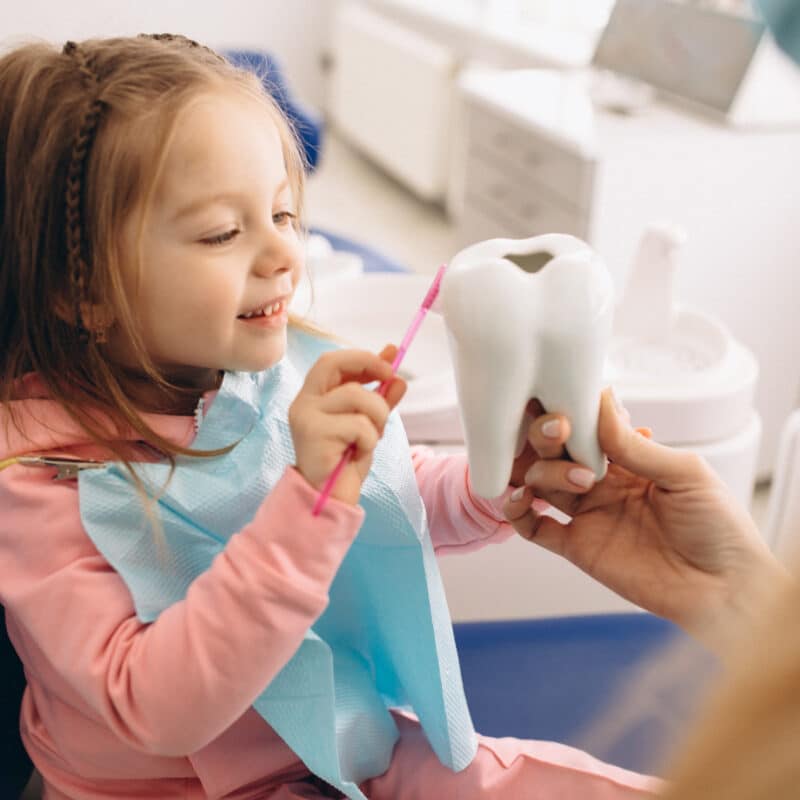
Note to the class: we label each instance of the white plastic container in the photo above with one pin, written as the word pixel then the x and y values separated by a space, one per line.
pixel 680 372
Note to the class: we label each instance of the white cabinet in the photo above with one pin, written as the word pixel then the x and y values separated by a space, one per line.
pixel 534 156
pixel 516 184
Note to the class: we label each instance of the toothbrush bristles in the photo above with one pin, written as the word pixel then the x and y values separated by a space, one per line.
pixel 434 290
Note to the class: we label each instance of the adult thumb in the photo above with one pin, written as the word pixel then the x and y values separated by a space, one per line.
pixel 667 467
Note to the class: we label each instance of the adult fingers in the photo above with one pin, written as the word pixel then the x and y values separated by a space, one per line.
pixel 551 475
pixel 547 435
pixel 635 451
pixel 527 516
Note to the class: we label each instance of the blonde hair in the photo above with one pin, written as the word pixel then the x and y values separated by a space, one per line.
pixel 83 135
pixel 747 744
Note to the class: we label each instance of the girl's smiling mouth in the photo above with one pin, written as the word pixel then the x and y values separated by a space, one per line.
pixel 273 314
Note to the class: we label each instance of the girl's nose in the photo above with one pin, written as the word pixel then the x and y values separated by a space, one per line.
pixel 279 251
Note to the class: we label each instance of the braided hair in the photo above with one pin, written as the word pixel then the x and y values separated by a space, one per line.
pixel 77 265
pixel 73 200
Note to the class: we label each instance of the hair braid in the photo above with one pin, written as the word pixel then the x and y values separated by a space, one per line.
pixel 178 37
pixel 77 265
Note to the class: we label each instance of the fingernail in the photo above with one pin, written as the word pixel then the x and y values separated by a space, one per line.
pixel 534 473
pixel 552 428
pixel 617 404
pixel 516 495
pixel 581 477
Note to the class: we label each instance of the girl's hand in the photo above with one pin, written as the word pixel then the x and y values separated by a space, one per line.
pixel 333 409
pixel 661 529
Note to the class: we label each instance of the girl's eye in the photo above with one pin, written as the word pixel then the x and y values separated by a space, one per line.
pixel 221 238
pixel 283 217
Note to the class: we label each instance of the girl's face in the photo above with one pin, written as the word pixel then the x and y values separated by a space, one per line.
pixel 220 257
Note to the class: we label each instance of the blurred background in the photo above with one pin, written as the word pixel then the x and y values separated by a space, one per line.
pixel 664 133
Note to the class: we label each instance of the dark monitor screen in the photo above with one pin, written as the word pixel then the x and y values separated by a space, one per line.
pixel 695 53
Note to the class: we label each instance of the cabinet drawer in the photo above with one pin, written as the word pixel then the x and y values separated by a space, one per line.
pixel 481 220
pixel 475 225
pixel 528 156
pixel 520 205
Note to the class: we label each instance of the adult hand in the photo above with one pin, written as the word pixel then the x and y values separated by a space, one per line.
pixel 661 529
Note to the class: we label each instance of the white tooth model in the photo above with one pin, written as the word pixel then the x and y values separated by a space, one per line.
pixel 526 318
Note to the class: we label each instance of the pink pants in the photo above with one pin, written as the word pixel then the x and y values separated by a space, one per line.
pixel 511 769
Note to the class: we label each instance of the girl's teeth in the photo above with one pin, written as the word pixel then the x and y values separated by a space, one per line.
pixel 265 312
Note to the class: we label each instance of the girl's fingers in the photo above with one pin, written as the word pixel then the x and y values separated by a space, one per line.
pixel 397 388
pixel 353 398
pixel 388 353
pixel 343 366
pixel 353 428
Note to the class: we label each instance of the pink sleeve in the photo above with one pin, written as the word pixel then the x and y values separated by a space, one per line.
pixel 172 686
pixel 459 520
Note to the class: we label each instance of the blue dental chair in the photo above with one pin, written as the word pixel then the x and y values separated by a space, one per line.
pixel 307 123
pixel 555 678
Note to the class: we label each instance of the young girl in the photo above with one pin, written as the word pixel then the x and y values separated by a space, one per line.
pixel 188 628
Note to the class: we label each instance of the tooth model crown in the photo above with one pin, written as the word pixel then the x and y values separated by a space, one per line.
pixel 526 318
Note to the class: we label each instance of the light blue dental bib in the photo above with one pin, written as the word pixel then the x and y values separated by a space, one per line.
pixel 385 638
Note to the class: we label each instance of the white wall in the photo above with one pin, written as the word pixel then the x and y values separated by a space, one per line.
pixel 295 31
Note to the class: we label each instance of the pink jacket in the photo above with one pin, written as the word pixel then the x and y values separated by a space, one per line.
pixel 114 706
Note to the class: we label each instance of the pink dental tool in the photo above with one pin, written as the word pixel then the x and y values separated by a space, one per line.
pixel 349 452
